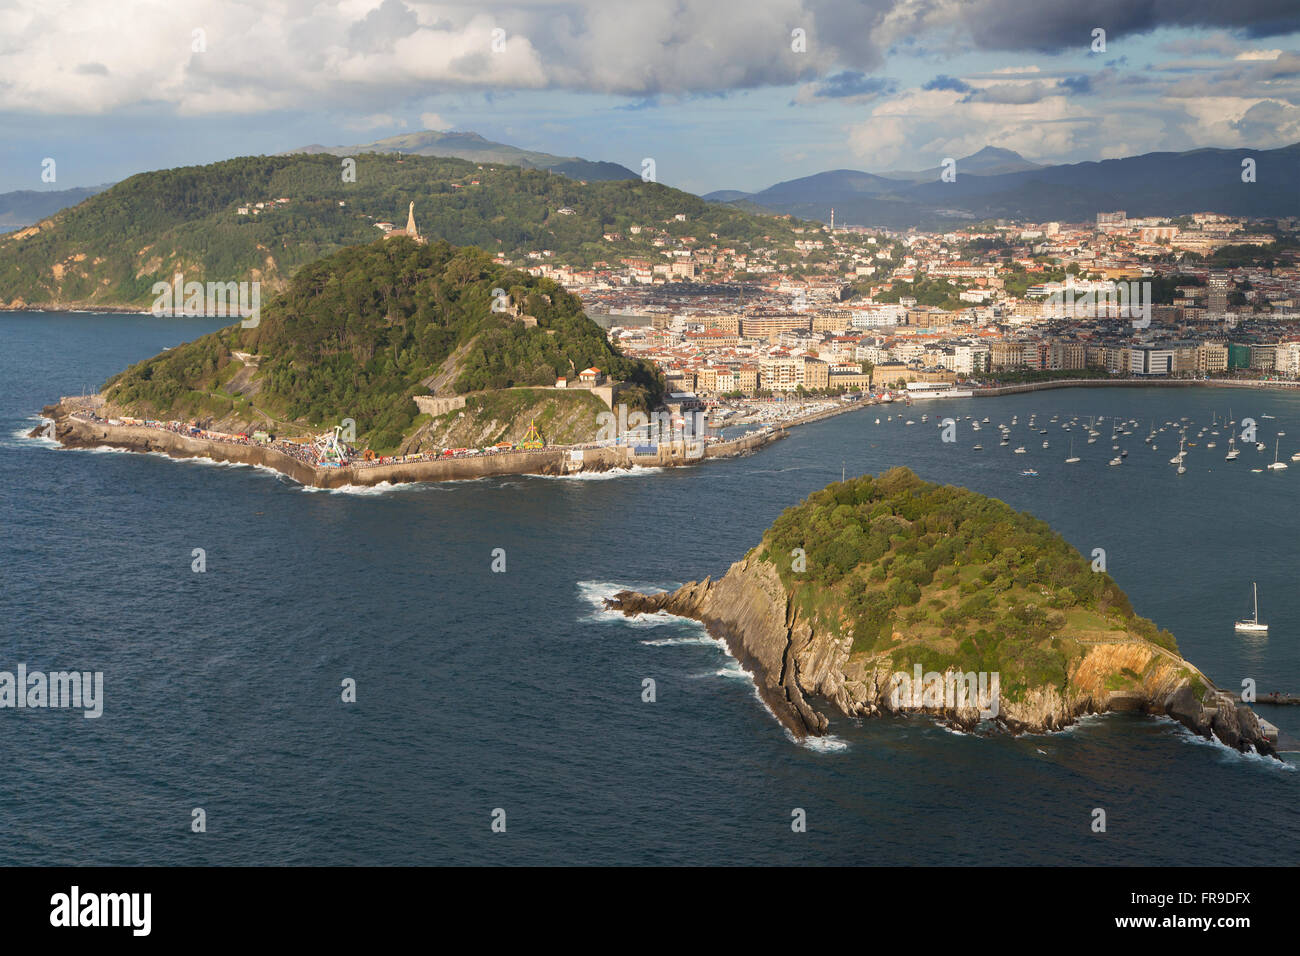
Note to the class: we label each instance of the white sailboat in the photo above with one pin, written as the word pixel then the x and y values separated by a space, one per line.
pixel 1073 457
pixel 1233 451
pixel 1277 465
pixel 1253 625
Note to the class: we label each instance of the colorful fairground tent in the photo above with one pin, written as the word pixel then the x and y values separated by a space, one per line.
pixel 330 449
pixel 532 439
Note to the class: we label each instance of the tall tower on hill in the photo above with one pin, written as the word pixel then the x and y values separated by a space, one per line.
pixel 410 221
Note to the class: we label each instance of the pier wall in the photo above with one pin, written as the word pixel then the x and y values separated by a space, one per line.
pixel 1130 383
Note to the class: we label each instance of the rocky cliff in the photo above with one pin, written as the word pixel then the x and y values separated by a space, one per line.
pixel 796 659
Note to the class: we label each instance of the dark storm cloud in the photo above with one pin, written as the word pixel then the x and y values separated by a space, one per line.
pixel 854 83
pixel 852 29
pixel 1051 25
pixel 1013 94
pixel 942 82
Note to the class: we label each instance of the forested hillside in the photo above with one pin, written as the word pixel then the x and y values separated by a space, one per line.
pixel 359 333
pixel 112 248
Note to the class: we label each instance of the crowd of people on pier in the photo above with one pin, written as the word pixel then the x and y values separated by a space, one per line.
pixel 309 453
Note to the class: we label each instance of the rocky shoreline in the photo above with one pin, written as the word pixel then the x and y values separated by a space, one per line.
pixel 749 610
pixel 74 431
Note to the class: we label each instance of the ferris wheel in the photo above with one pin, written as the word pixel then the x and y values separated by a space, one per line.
pixel 330 448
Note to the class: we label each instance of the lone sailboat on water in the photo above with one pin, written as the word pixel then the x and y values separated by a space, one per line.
pixel 1252 625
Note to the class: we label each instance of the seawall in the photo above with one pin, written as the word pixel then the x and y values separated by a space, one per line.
pixel 74 431
pixel 1132 383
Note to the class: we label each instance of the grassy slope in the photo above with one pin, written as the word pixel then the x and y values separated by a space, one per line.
pixel 562 418
pixel 916 572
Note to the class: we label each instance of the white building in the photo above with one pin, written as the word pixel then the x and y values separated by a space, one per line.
pixel 971 359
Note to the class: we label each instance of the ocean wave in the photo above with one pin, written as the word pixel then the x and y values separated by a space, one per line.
pixel 1214 743
pixel 595 593
pixel 21 435
pixel 702 640
pixel 218 463
pixel 366 491
pixel 636 471
pixel 827 744
pixel 1082 722
pixel 731 671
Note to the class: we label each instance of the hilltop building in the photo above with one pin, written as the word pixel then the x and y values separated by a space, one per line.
pixel 410 232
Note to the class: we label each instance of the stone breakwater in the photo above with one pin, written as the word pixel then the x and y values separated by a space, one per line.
pixel 749 609
pixel 74 431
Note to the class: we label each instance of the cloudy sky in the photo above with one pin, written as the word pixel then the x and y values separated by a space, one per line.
pixel 721 93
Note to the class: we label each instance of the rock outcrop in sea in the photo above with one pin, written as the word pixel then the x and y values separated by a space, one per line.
pixel 801 663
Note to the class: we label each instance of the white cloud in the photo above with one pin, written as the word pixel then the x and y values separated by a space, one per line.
pixel 366 53
pixel 434 122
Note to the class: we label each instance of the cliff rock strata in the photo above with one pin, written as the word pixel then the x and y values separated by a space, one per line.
pixel 749 609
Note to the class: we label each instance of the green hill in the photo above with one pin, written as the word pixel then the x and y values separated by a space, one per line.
pixel 911 570
pixel 889 595
pixel 111 249
pixel 359 333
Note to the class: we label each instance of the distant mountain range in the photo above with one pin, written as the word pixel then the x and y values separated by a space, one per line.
pixel 27 206
pixel 1001 184
pixel 472 146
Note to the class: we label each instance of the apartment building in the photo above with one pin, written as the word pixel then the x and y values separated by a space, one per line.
pixel 1217 295
pixel 1068 354
pixel 1263 358
pixel 970 359
pixel 1212 357
pixel 746 378
pixel 1004 355
pixel 1150 360
pixel 712 339
pixel 832 320
pixel 780 374
pixel 770 326
pixel 816 374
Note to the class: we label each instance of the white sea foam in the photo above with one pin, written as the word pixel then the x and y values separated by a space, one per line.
pixel 829 744
pixel 594 593
pixel 636 471
pixel 367 491
pixel 1082 722
pixel 21 435
pixel 731 671
pixel 703 640
pixel 1214 743
pixel 217 463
